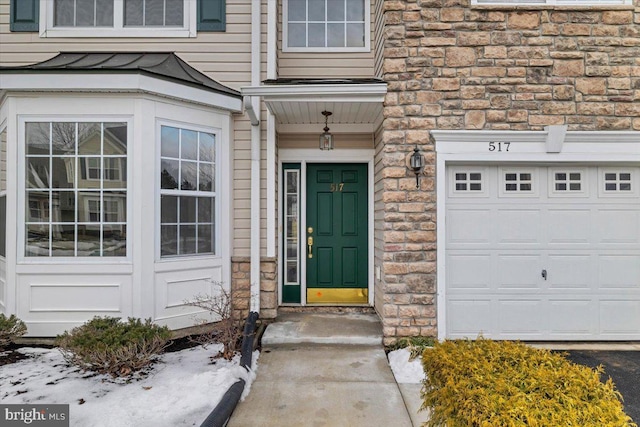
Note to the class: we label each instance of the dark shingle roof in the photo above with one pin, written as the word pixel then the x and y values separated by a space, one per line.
pixel 164 65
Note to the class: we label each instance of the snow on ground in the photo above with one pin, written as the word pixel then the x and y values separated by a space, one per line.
pixel 406 371
pixel 180 389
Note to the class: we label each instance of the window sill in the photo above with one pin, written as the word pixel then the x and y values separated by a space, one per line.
pixel 116 33
pixel 365 49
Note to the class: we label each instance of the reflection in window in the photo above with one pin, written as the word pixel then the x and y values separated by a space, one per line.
pixel 291 195
pixel 69 208
pixel 187 192
pixel 102 13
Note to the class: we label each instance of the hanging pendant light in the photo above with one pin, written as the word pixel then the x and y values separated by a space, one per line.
pixel 326 139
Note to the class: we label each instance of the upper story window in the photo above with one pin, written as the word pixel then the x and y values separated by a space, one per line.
pixel 326 26
pixel 576 3
pixel 119 18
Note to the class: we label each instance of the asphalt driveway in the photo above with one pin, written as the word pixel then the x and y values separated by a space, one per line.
pixel 623 367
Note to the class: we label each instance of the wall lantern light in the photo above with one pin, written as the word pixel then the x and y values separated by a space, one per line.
pixel 326 139
pixel 417 164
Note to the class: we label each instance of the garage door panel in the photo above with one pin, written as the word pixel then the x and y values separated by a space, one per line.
pixel 511 230
pixel 469 271
pixel 569 271
pixel 620 317
pixel 570 226
pixel 618 226
pixel 518 272
pixel 521 317
pixel 469 318
pixel 469 226
pixel 571 317
pixel 619 271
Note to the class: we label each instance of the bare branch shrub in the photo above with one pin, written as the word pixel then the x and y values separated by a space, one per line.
pixel 227 330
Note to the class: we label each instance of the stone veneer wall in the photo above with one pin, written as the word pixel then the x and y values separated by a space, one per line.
pixel 241 287
pixel 452 66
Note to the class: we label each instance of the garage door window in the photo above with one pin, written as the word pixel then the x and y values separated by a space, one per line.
pixel 518 182
pixel 468 181
pixel 617 181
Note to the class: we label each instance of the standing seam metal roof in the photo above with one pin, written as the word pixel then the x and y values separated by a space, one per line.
pixel 164 65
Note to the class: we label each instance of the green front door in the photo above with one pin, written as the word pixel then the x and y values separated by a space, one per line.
pixel 336 234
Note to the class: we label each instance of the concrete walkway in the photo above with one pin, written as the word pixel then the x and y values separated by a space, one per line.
pixel 320 370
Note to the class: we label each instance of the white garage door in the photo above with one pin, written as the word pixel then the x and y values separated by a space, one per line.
pixel 543 252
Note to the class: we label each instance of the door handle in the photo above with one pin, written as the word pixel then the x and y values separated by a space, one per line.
pixel 310 247
pixel 544 274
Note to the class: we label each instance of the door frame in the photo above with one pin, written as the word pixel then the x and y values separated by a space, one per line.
pixel 314 155
pixel 547 148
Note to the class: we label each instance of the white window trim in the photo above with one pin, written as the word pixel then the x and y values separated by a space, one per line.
pixel 21 208
pixel 528 3
pixel 286 259
pixel 118 30
pixel 304 156
pixel 551 179
pixel 535 177
pixel 468 193
pixel 220 241
pixel 367 34
pixel 617 193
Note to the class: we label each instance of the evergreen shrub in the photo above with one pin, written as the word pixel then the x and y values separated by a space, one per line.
pixel 111 346
pixel 486 383
pixel 10 328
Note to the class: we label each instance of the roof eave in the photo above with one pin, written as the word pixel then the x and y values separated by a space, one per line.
pixel 56 81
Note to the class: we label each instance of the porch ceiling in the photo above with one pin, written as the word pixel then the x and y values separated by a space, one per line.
pixel 356 107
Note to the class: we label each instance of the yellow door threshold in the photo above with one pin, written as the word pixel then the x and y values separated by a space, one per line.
pixel 337 295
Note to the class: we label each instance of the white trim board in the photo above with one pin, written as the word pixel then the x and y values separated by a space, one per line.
pixel 117 82
pixel 526 146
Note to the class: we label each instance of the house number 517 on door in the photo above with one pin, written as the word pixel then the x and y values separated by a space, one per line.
pixel 337 187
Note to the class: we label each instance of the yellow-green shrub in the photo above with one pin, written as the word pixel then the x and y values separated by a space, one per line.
pixel 487 383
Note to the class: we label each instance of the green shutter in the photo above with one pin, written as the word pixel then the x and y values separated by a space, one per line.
pixel 212 15
pixel 24 15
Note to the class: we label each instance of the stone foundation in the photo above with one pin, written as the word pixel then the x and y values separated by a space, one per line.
pixel 241 287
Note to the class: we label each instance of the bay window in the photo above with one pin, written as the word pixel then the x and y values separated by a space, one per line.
pixel 187 192
pixel 73 208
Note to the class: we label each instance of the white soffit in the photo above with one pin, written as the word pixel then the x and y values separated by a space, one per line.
pixel 354 108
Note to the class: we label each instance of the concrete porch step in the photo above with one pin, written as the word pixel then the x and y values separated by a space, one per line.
pixel 324 328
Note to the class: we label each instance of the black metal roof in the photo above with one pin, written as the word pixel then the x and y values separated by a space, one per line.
pixel 318 81
pixel 164 65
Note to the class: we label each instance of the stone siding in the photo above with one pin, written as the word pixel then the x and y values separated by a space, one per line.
pixel 241 287
pixel 452 66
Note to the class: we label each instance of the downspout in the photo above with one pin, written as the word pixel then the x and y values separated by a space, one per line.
pixel 254 112
pixel 272 19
